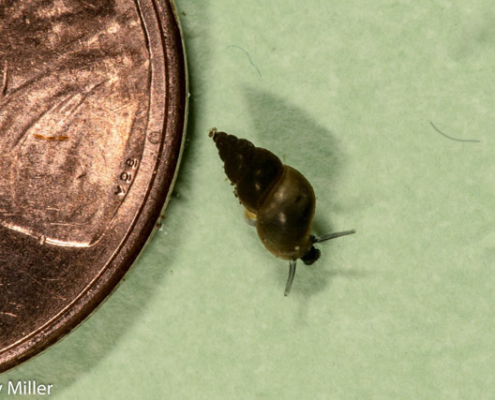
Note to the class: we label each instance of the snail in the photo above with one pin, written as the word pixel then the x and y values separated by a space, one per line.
pixel 277 197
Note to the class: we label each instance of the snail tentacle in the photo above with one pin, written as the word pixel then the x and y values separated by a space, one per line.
pixel 290 279
pixel 328 236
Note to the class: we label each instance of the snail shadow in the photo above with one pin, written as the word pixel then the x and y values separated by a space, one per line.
pixel 294 135
pixel 301 142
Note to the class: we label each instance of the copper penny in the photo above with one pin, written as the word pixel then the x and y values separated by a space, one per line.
pixel 93 101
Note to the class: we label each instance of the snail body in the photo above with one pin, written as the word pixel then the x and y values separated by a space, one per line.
pixel 290 203
pixel 280 197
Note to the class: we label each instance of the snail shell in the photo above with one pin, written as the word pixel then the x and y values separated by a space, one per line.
pixel 280 196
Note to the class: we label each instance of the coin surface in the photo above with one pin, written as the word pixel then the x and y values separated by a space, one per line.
pixel 93 101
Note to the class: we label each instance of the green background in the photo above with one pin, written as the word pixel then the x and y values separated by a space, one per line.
pixel 345 92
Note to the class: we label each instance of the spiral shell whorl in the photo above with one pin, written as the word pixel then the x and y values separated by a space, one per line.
pixel 235 153
pixel 253 170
